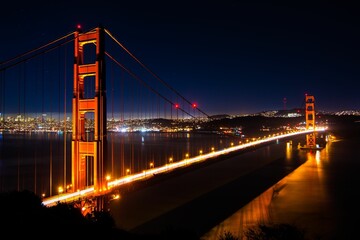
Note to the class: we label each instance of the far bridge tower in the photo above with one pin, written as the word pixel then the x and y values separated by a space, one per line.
pixel 310 120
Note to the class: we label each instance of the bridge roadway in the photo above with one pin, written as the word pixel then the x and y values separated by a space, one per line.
pixel 90 193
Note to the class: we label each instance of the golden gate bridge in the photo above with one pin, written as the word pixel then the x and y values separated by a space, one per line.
pixel 105 98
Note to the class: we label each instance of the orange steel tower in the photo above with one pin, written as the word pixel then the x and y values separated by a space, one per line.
pixel 310 119
pixel 89 153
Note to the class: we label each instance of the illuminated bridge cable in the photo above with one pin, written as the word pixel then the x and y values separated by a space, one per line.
pixel 30 57
pixel 152 73
pixel 36 49
pixel 147 85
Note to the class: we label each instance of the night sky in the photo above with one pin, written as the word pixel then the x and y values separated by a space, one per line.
pixel 230 57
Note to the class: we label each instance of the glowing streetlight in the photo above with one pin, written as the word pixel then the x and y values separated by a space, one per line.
pixel 116 196
pixel 68 187
pixel 127 171
pixel 60 190
pixel 170 161
pixel 151 165
pixel 201 152
pixel 186 157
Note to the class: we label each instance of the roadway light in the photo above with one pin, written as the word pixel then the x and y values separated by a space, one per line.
pixel 186 158
pixel 60 190
pixel 116 196
pixel 68 187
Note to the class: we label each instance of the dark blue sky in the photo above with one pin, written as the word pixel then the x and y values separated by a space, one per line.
pixel 228 56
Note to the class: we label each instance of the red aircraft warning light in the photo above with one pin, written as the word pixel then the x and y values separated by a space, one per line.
pixel 194 105
pixel 177 105
pixel 78 27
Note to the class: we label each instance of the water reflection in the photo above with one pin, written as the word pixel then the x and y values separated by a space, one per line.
pixel 257 211
pixel 302 193
pixel 41 162
pixel 288 150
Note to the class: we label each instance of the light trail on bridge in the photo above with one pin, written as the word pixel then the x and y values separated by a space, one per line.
pixel 89 192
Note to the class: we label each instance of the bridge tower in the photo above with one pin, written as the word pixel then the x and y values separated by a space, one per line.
pixel 89 147
pixel 310 119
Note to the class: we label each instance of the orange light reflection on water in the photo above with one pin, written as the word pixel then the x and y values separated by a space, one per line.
pixel 302 191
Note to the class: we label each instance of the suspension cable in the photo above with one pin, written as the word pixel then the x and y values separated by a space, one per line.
pixel 36 49
pixel 151 72
pixel 33 56
pixel 147 85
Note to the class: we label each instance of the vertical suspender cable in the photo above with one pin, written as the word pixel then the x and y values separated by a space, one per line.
pixel 2 111
pixel 65 130
pixel 37 96
pixel 50 89
pixel 122 110
pixel 44 122
pixel 24 102
pixel 56 125
pixel 18 162
pixel 113 121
